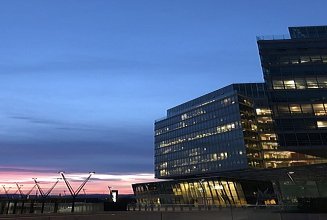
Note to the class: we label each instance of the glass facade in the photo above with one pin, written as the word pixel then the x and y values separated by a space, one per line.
pixel 216 132
pixel 308 32
pixel 295 72
pixel 248 130
pixel 229 129
pixel 210 191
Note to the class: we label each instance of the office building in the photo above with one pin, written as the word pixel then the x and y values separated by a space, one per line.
pixel 295 74
pixel 245 138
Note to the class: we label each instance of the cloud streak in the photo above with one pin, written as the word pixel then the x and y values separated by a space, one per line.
pixel 97 184
pixel 77 63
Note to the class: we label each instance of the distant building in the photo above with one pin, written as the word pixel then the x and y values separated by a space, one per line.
pixel 250 137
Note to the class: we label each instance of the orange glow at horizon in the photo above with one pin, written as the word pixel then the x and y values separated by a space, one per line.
pixel 98 184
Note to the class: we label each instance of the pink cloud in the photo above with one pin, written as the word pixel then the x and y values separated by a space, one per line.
pixel 98 184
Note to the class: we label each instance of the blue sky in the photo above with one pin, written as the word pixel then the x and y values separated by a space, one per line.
pixel 81 82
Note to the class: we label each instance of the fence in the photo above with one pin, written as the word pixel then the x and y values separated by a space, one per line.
pixel 188 207
pixel 21 206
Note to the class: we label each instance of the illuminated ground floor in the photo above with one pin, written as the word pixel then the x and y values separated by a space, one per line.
pixel 208 191
pixel 286 186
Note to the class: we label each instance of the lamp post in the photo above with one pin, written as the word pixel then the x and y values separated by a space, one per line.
pixel 45 194
pixel 110 194
pixel 6 190
pixel 74 193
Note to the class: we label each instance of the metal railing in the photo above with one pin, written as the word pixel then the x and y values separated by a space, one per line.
pixel 274 37
pixel 200 207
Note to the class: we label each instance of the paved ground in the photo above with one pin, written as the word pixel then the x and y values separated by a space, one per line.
pixel 241 214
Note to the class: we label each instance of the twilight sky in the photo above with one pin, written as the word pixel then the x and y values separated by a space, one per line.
pixel 81 82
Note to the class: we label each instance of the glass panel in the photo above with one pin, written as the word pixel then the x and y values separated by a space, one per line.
pixel 319 109
pixel 295 109
pixel 284 60
pixel 295 60
pixel 324 58
pixel 300 83
pixel 233 192
pixel 278 84
pixel 312 83
pixel 283 110
pixel 263 111
pixel 322 82
pixel 289 84
pixel 322 124
pixel 316 58
pixel 306 108
pixel 305 59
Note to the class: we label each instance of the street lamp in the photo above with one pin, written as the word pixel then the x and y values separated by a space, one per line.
pixel 6 190
pixel 110 193
pixel 74 193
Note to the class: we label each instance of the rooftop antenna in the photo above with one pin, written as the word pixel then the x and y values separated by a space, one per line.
pixel 74 193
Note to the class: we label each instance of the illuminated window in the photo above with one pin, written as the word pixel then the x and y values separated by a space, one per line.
pixel 295 109
pixel 322 124
pixel 322 82
pixel 305 59
pixel 312 83
pixel 295 60
pixel 163 172
pixel 316 59
pixel 324 58
pixel 306 108
pixel 289 84
pixel 264 119
pixel 269 145
pixel 254 127
pixel 300 83
pixel 278 84
pixel 268 137
pixel 263 111
pixel 319 109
